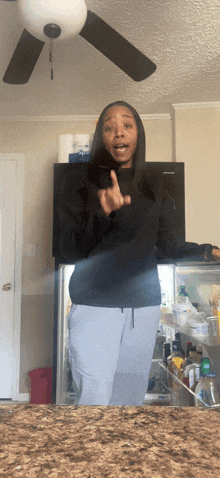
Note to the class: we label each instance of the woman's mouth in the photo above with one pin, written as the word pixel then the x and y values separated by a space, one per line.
pixel 120 147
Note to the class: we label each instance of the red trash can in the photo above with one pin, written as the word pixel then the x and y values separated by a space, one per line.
pixel 41 385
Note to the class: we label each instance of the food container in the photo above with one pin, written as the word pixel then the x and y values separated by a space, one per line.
pixel 200 329
pixel 213 326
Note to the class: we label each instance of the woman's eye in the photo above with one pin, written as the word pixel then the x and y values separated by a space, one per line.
pixel 128 125
pixel 108 128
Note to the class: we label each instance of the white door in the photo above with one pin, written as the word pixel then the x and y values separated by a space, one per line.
pixel 7 273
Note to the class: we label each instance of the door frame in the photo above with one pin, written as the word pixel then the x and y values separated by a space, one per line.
pixel 19 158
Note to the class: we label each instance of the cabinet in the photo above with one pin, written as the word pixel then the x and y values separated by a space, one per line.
pixel 202 282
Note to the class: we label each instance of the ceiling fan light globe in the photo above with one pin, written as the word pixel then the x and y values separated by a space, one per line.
pixel 69 15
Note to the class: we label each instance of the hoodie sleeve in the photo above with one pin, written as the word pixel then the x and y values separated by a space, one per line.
pixel 80 229
pixel 168 244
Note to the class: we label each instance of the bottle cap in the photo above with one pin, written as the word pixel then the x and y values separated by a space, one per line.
pixel 182 291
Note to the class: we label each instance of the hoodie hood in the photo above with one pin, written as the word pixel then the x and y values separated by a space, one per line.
pixel 101 158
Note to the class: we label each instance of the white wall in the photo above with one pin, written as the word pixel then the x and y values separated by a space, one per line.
pixel 198 146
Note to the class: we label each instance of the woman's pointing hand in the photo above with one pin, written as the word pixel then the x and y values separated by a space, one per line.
pixel 111 198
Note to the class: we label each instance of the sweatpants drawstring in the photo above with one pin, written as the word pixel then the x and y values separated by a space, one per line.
pixel 132 318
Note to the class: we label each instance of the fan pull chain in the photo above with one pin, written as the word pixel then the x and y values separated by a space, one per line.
pixel 51 57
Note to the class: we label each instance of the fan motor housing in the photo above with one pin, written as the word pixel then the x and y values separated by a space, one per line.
pixel 52 30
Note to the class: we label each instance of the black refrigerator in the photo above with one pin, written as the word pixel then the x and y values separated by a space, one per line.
pixel 62 387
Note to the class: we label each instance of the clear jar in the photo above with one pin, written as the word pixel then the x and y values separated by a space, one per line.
pixel 207 390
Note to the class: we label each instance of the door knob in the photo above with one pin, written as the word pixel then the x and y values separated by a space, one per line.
pixel 7 286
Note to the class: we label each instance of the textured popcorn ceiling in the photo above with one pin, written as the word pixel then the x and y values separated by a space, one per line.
pixel 181 36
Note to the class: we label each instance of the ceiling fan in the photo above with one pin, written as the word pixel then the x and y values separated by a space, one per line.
pixel 60 19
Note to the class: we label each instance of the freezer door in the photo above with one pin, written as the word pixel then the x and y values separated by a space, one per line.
pixel 64 387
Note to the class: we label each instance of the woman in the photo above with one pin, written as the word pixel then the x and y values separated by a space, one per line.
pixel 115 220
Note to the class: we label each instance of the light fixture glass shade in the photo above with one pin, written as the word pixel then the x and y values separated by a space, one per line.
pixel 69 15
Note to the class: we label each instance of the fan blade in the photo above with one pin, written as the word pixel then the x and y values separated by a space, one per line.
pixel 23 59
pixel 116 48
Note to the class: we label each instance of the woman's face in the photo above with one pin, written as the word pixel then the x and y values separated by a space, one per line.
pixel 120 134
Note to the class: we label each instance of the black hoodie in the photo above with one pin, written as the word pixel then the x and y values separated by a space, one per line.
pixel 116 255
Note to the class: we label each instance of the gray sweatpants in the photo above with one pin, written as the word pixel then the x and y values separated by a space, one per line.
pixel 110 359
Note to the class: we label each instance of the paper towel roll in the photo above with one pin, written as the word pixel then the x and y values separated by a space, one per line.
pixel 81 142
pixel 65 147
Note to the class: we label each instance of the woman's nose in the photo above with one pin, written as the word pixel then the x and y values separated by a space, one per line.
pixel 119 133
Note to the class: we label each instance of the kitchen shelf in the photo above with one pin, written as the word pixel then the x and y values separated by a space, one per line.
pixel 204 404
pixel 206 340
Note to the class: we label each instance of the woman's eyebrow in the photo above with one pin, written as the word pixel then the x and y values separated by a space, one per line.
pixel 127 116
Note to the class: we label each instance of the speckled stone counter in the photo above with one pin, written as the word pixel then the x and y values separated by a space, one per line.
pixel 114 442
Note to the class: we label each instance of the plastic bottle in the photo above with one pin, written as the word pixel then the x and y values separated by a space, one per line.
pixel 188 345
pixel 186 362
pixel 197 364
pixel 193 365
pixel 207 390
pixel 194 373
pixel 190 372
pixel 177 337
pixel 186 397
pixel 166 352
pixel 183 296
pixel 182 309
pixel 177 392
pixel 176 346
pixel 184 379
pixel 158 349
pixel 188 368
pixel 204 368
pixel 176 366
pixel 191 357
pixel 163 310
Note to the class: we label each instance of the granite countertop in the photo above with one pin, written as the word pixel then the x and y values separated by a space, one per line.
pixel 103 441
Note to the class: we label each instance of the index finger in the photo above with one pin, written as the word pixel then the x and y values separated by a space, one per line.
pixel 114 179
